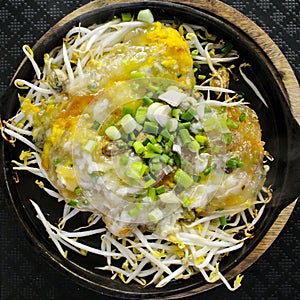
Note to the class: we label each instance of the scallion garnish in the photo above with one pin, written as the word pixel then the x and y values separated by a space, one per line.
pixel 223 221
pixel 183 179
pixel 152 193
pixel 184 136
pixel 232 124
pixel 137 75
pixel 161 189
pixel 147 100
pixel 141 114
pixel 126 110
pixel 128 123
pixel 242 117
pixel 150 127
pixel 234 163
pixel 138 147
pixel 189 114
pixel 227 48
pixel 113 133
pixel 126 17
pixel 149 181
pixel 95 125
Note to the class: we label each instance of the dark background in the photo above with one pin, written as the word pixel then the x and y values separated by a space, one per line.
pixel 24 275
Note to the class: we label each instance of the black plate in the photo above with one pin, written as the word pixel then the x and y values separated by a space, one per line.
pixel 280 131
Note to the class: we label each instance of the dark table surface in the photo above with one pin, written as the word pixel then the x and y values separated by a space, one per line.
pixel 24 275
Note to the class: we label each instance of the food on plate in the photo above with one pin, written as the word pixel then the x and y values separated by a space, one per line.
pixel 134 121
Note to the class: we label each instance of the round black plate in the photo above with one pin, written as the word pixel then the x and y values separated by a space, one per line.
pixel 280 132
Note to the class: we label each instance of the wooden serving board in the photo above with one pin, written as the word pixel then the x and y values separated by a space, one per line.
pixel 281 65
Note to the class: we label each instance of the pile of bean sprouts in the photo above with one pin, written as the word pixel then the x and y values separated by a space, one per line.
pixel 147 258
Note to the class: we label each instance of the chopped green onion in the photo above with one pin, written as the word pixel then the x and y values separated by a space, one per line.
pixel 201 139
pixel 196 178
pixel 124 160
pixel 194 52
pixel 161 189
pixel 231 124
pixel 145 15
pixel 242 117
pixel 164 158
pixel 151 128
pixel 73 202
pixel 90 146
pixel 126 110
pixel 171 162
pixel 95 125
pixel 152 139
pixel 154 148
pixel 149 181
pixel 56 161
pixel 184 136
pixel 169 143
pixel 138 147
pixel 113 133
pixel 187 201
pixel 132 136
pixel 137 170
pixel 208 170
pixel 179 75
pixel 227 48
pixel 176 113
pixel 223 221
pixel 128 123
pixel 165 134
pixel 177 159
pixel 201 77
pixel 183 179
pixel 148 101
pixel 137 75
pixel 78 191
pixel 234 163
pixel 141 114
pixel 149 154
pixel 126 17
pixel 152 193
pixel 186 125
pixel 226 138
